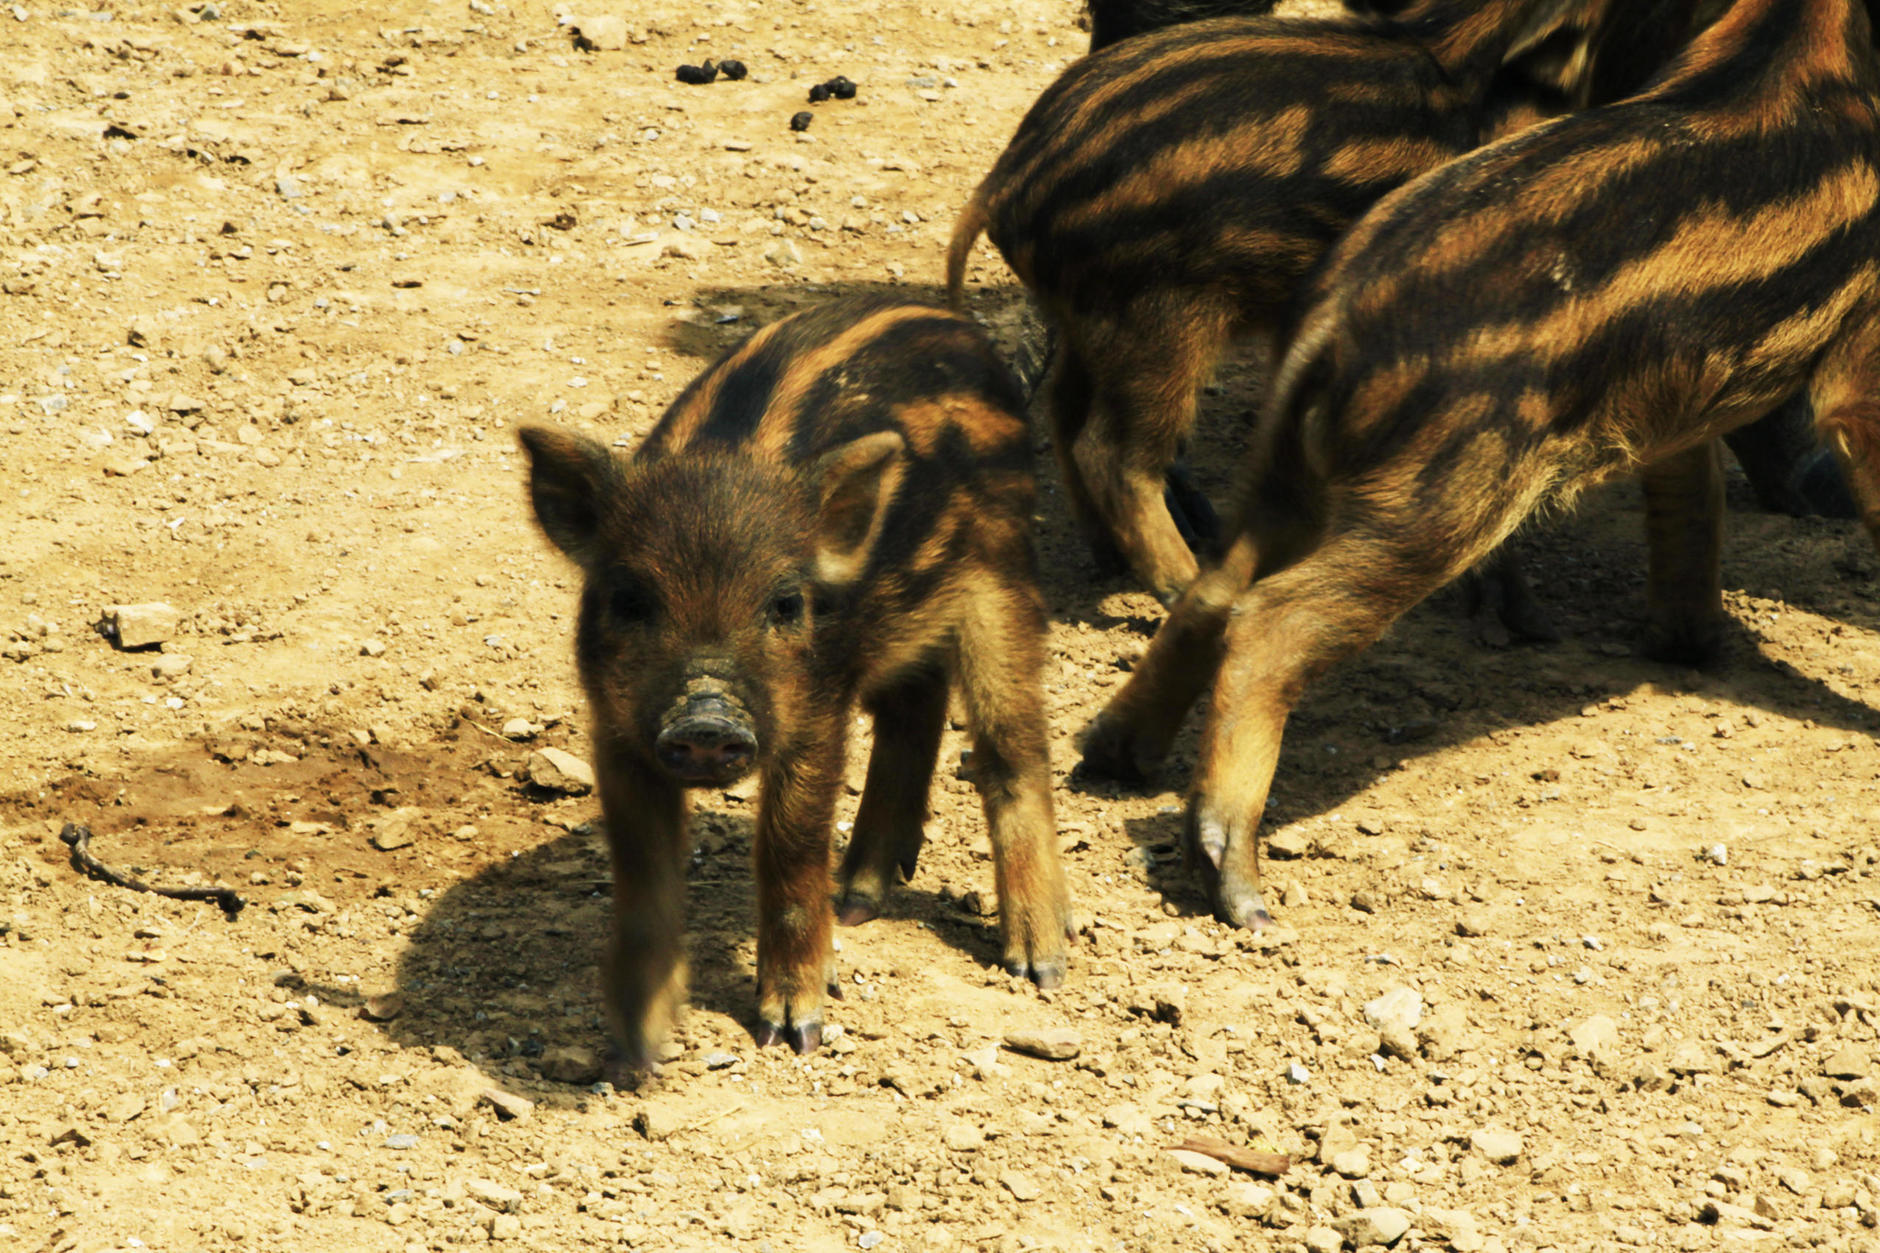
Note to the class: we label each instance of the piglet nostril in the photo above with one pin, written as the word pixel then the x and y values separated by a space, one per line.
pixel 706 749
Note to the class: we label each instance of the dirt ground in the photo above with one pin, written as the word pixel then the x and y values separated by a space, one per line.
pixel 1575 951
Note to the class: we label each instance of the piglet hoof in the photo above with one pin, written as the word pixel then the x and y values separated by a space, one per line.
pixel 854 907
pixel 629 1071
pixel 1046 973
pixel 802 1037
pixel 1693 640
pixel 1110 753
pixel 1239 904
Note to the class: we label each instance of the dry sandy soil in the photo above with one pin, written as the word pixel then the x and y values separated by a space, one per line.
pixel 278 282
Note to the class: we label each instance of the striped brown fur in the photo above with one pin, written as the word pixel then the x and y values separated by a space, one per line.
pixel 1173 191
pixel 1607 292
pixel 837 510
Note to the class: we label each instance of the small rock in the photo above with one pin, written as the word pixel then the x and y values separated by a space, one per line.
pixel 1294 896
pixel 784 254
pixel 571 1063
pixel 505 1227
pixel 1324 1240
pixel 1594 1039
pixel 123 1107
pixel 1365 902
pixel 1022 1187
pixel 554 770
pixel 499 1197
pixel 140 626
pixel 1128 1118
pixel 719 1061
pixel 1383 1224
pixel 1198 1163
pixel 963 1137
pixel 1351 1163
pixel 1053 1044
pixel 1473 923
pixel 519 729
pixel 401 1141
pixel 1794 1180
pixel 1846 1062
pixel 1289 843
pixel 601 34
pixel 289 187
pixel 1692 1058
pixel 509 1106
pixel 1651 1077
pixel 383 1008
pixel 169 666
pixel 1398 1006
pixel 657 1120
pixel 372 648
pixel 396 829
pixel 1500 1147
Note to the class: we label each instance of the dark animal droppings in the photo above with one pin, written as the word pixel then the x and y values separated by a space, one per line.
pixel 841 88
pixel 819 93
pixel 801 121
pixel 733 70
pixel 698 74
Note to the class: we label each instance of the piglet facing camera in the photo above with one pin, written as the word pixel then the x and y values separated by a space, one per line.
pixel 837 510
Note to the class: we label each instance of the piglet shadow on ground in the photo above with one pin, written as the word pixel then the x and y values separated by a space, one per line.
pixel 504 966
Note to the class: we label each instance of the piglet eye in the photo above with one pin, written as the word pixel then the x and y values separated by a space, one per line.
pixel 630 601
pixel 787 609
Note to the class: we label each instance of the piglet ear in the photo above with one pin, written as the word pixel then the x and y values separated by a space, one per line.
pixel 854 481
pixel 569 476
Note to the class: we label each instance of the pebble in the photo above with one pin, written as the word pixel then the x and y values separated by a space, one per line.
pixel 719 1061
pixel 1351 1163
pixel 1324 1240
pixel 571 1063
pixel 1847 1062
pixel 1022 1187
pixel 508 1105
pixel 519 729
pixel 1398 1006
pixel 602 34
pixel 1053 1044
pixel 505 1227
pixel 404 1140
pixel 289 187
pixel 784 254
pixel 499 1197
pixel 1289 843
pixel 396 829
pixel 561 772
pixel 140 626
pixel 963 1137
pixel 1382 1224
pixel 1594 1038
pixel 1473 923
pixel 170 666
pixel 1691 1058
pixel 372 648
pixel 657 1120
pixel 1500 1147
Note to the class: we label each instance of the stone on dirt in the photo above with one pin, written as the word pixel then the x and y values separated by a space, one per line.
pixel 1500 1147
pixel 140 626
pixel 509 1106
pixel 1053 1044
pixel 559 771
pixel 571 1063
pixel 1382 1224
pixel 1198 1163
pixel 1847 1062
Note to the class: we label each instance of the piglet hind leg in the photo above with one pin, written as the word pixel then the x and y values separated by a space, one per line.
pixel 1684 537
pixel 1132 735
pixel 1000 660
pixel 1846 396
pixel 795 955
pixel 1147 369
pixel 909 717
pixel 1287 629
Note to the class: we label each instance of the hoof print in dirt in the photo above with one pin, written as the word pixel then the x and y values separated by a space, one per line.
pixel 698 75
pixel 801 121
